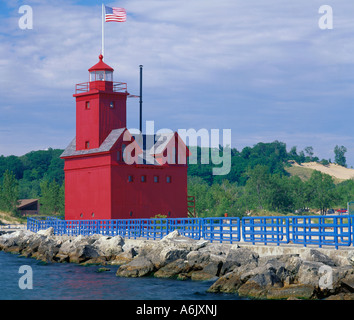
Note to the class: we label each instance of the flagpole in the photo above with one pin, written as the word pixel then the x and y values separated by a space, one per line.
pixel 103 20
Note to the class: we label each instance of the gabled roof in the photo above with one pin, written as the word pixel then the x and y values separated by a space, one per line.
pixel 22 203
pixel 154 145
pixel 147 146
pixel 106 145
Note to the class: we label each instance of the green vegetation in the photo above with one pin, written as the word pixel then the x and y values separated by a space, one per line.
pixel 261 182
pixel 339 157
pixel 37 174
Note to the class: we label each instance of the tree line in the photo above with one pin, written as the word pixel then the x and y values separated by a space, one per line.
pixel 35 175
pixel 257 181
pixel 269 193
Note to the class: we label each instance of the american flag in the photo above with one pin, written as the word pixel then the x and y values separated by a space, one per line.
pixel 115 14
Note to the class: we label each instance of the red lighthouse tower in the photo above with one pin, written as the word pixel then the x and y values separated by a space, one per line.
pixel 111 174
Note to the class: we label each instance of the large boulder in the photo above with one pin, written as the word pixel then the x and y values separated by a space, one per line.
pixel 258 285
pixel 238 257
pixel 138 267
pixel 228 283
pixel 15 241
pixel 124 257
pixel 170 248
pixel 47 249
pixel 204 264
pixel 46 232
pixel 173 269
pixel 318 256
pixel 109 247
pixel 77 250
pixel 82 253
pixel 309 273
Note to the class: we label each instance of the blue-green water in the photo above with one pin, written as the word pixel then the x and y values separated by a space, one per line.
pixel 67 281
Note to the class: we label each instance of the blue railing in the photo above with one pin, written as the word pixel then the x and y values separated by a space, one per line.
pixel 306 230
pixel 265 230
pixel 321 231
pixel 213 229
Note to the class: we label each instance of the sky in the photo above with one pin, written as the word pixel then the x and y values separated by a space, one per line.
pixel 264 69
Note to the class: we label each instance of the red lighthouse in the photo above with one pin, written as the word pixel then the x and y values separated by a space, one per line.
pixel 112 174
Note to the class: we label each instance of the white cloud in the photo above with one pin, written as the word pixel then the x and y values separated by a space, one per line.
pixel 255 67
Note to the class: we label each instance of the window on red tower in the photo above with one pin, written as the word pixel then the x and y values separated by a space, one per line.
pixel 87 144
pixel 168 179
pixel 143 178
pixel 130 178
pixel 87 105
pixel 156 179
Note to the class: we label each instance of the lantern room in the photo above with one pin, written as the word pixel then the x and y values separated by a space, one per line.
pixel 101 76
pixel 101 71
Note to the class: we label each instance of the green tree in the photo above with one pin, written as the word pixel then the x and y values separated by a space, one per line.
pixel 257 187
pixel 309 151
pixel 298 193
pixel 339 153
pixel 9 192
pixel 321 191
pixel 52 197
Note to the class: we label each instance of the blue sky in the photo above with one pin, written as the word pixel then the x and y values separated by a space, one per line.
pixel 263 69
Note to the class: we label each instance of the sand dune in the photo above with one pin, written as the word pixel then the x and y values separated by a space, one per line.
pixel 332 169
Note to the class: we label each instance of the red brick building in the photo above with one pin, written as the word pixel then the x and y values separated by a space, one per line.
pixel 112 174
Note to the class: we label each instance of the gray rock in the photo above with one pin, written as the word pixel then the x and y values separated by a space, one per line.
pixel 258 285
pixel 124 257
pixel 228 283
pixel 172 269
pixel 109 246
pixel 309 273
pixel 47 249
pixel 237 257
pixel 351 258
pixel 46 232
pixel 317 256
pixel 82 253
pixel 138 267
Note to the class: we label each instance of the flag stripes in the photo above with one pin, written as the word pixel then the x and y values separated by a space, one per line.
pixel 115 14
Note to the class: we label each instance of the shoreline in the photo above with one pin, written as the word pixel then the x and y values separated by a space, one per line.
pixel 261 272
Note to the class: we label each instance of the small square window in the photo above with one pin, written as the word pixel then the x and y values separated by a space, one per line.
pixel 168 179
pixel 111 105
pixel 87 144
pixel 87 105
pixel 143 178
pixel 156 179
pixel 130 178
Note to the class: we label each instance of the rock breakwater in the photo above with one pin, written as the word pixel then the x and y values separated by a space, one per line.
pixel 230 268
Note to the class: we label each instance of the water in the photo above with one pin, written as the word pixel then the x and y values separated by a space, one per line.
pixel 67 281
